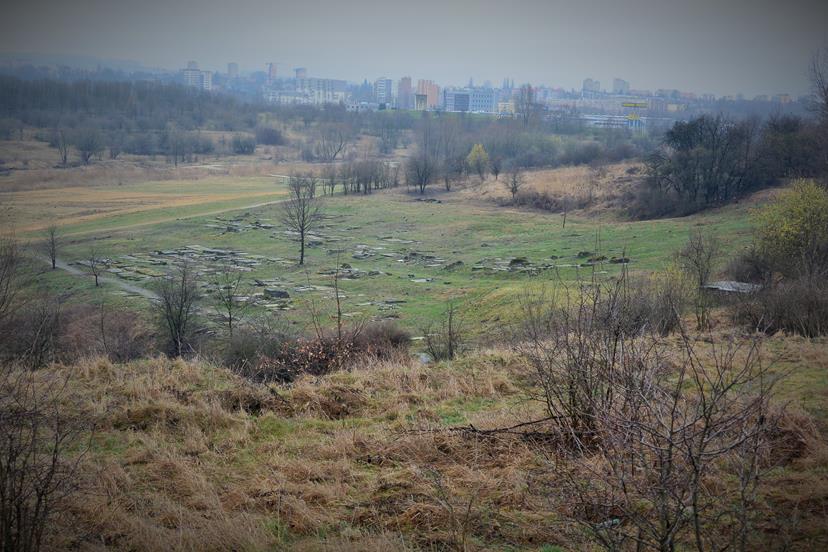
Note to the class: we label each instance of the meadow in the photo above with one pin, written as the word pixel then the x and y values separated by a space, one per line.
pixel 402 256
pixel 392 453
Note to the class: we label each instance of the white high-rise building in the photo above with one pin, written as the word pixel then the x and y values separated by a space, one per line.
pixel 383 90
pixel 196 78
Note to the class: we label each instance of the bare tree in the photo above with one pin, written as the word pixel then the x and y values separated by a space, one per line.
pixel 697 259
pixel 515 181
pixel 228 296
pixel 62 145
pixel 51 243
pixel 642 434
pixel 495 165
pixel 445 340
pixel 10 264
pixel 302 211
pixel 422 167
pixel 819 81
pixel 451 169
pixel 420 170
pixel 332 140
pixel 177 308
pixel 89 143
pixel 94 265
pixel 329 178
pixel 37 470
pixel 526 106
pixel 449 151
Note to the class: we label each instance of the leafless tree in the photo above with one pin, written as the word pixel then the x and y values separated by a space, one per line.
pixel 177 308
pixel 10 264
pixel 819 81
pixel 515 181
pixel 332 140
pixel 420 170
pixel 51 243
pixel 302 211
pixel 662 446
pixel 445 340
pixel 495 165
pixel 94 265
pixel 329 177
pixel 228 296
pixel 526 106
pixel 647 441
pixel 697 259
pixel 62 145
pixel 37 469
pixel 452 169
pixel 422 167
pixel 89 143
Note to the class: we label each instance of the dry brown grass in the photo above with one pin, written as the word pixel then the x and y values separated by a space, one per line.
pixel 188 456
pixel 599 189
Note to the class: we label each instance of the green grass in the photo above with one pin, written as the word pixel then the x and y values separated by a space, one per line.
pixel 452 230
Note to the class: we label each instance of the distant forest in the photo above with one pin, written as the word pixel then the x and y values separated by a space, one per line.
pixel 127 106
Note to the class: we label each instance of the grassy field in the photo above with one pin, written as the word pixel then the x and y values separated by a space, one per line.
pixel 407 257
pixel 405 251
pixel 101 208
pixel 188 455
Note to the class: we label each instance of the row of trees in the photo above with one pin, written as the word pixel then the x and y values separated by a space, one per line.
pixel 126 106
pixel 176 144
pixel 446 149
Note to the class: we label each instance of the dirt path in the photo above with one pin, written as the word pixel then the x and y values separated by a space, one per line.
pixel 126 286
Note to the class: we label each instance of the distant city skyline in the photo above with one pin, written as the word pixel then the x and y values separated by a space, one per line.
pixel 752 47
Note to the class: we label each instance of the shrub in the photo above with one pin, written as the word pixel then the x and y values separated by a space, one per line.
pixel 446 339
pixel 316 356
pixel 382 340
pixel 243 145
pixel 36 470
pixel 636 426
pixel 582 153
pixel 263 352
pixel 793 230
pixel 546 201
pixel 251 343
pixel 796 306
pixel 750 266
pixel 270 136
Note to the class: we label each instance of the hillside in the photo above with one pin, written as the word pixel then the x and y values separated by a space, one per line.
pixel 187 456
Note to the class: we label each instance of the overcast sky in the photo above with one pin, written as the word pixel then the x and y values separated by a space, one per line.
pixel 718 46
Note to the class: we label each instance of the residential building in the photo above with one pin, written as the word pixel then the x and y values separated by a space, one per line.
pixel 233 70
pixel 194 77
pixel 431 91
pixel 322 91
pixel 383 91
pixel 620 86
pixel 405 94
pixel 301 73
pixel 590 88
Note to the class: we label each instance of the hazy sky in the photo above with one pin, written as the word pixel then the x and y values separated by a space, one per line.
pixel 718 46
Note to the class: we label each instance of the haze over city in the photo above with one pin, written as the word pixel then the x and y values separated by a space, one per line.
pixel 728 47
